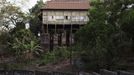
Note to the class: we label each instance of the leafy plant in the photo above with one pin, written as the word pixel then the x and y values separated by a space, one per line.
pixel 105 39
pixel 25 44
pixel 4 36
pixel 55 56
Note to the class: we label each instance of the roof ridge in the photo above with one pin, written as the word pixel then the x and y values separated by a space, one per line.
pixel 67 5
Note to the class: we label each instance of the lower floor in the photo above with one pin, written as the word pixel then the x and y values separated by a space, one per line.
pixel 58 35
pixel 52 40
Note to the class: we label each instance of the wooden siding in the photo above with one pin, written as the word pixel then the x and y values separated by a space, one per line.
pixel 70 14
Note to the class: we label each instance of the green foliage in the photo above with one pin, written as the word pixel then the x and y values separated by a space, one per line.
pixel 55 56
pixel 103 42
pixel 4 36
pixel 12 19
pixel 11 15
pixel 35 22
pixel 23 42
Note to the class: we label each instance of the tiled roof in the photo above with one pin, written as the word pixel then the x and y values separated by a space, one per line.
pixel 67 4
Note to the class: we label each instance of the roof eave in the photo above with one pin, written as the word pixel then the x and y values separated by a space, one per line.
pixel 66 9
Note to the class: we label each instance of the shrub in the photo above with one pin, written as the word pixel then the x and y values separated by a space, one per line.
pixel 24 44
pixel 55 56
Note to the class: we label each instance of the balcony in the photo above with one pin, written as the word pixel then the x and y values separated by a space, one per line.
pixel 65 22
pixel 69 20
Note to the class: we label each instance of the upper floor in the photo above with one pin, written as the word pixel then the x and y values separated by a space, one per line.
pixel 65 12
pixel 65 17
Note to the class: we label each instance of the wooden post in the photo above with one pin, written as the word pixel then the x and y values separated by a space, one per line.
pixel 59 39
pixel 68 38
pixel 51 41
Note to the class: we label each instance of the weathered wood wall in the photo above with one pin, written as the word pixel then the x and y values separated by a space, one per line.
pixel 47 15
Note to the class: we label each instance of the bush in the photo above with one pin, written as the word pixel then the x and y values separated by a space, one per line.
pixel 107 39
pixel 55 56
pixel 4 36
pixel 24 44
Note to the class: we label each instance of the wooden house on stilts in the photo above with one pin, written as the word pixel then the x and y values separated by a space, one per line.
pixel 60 20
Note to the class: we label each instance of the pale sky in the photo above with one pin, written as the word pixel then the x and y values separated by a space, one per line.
pixel 25 4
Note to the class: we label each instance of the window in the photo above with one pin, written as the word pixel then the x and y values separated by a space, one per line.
pixel 74 18
pixel 59 17
pixel 79 18
pixel 66 17
pixel 51 18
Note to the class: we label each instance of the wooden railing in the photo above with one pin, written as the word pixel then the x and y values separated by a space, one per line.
pixel 65 22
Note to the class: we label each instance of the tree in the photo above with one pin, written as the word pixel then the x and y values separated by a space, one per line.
pixel 13 21
pixel 3 3
pixel 24 44
pixel 101 41
pixel 11 15
pixel 35 23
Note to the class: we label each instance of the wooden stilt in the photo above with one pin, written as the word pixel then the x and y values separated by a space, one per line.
pixel 51 41
pixel 59 39
pixel 68 38
pixel 47 29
